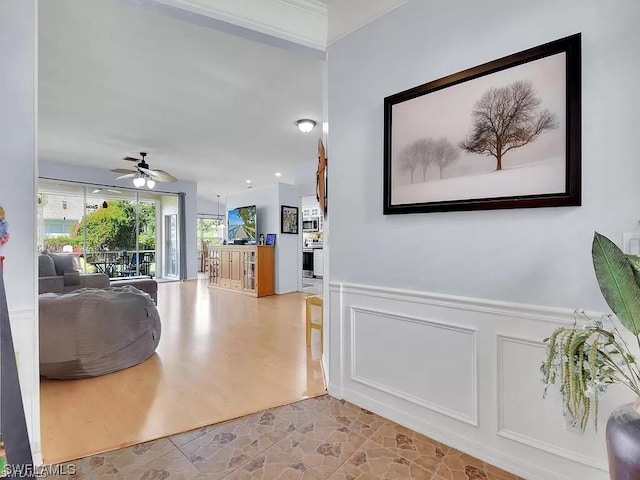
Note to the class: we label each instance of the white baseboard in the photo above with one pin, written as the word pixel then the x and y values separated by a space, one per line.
pixel 478 450
pixel 334 391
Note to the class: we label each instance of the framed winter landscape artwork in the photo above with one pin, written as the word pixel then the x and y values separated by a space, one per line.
pixel 505 134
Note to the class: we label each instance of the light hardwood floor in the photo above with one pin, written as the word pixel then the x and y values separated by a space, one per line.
pixel 221 355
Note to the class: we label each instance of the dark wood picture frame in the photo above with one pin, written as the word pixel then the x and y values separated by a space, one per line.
pixel 293 227
pixel 571 196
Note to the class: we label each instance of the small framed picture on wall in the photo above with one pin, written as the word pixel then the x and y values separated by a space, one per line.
pixel 289 219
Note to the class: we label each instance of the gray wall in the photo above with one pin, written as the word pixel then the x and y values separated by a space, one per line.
pixel 288 247
pixel 538 256
pixel 18 147
pixel 436 320
pixel 210 207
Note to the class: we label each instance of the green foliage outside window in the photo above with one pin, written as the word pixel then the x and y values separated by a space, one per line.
pixel 208 230
pixel 113 228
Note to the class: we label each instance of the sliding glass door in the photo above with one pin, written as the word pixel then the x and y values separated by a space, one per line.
pixel 109 229
pixel 60 209
pixel 171 245
pixel 115 231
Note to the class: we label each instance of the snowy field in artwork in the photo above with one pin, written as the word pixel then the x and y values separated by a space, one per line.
pixel 532 179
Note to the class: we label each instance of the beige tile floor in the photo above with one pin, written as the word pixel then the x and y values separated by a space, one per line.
pixel 315 439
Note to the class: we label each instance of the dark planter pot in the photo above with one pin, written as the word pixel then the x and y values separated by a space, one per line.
pixel 623 442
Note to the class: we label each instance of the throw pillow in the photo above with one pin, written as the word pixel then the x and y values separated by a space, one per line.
pixel 46 267
pixel 71 278
pixel 64 263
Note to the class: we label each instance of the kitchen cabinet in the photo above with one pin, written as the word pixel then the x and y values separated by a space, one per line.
pixel 245 268
pixel 311 212
pixel 215 266
pixel 318 262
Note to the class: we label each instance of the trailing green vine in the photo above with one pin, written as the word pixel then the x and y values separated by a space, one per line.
pixel 585 359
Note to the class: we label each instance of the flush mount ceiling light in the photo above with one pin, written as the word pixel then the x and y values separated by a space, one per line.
pixel 305 125
pixel 278 174
pixel 248 181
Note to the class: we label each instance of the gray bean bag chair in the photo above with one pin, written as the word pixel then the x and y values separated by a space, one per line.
pixel 92 332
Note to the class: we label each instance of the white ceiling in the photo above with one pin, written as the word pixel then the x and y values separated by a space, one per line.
pixel 346 16
pixel 208 106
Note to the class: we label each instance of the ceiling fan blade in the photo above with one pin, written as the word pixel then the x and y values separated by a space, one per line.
pixel 128 175
pixel 98 190
pixel 151 173
pixel 132 159
pixel 162 176
pixel 123 170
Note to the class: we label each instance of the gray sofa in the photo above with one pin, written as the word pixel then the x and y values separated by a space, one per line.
pixel 59 273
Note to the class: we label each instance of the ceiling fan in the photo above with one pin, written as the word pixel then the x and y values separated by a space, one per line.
pixel 98 190
pixel 142 173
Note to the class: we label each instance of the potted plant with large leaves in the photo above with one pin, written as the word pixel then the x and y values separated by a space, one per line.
pixel 585 360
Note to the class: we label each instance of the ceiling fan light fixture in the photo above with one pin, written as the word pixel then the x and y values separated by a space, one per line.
pixel 142 174
pixel 305 125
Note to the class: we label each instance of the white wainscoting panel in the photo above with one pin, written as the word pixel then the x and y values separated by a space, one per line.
pixel 537 425
pixel 450 391
pixel 333 340
pixel 24 331
pixel 465 372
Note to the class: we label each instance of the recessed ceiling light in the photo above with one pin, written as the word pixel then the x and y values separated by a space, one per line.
pixel 305 125
pixel 248 181
pixel 278 174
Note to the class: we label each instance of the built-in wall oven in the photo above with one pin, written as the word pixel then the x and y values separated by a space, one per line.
pixel 307 262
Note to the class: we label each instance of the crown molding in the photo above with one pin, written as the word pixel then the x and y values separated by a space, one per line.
pixel 312 6
pixel 303 22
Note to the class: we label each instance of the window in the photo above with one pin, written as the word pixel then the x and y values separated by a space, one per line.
pixel 210 230
pixel 113 231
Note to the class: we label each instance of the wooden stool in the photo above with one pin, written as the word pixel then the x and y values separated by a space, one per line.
pixel 317 301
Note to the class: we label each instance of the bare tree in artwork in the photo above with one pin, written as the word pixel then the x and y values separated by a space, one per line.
pixel 444 153
pixel 410 157
pixel 506 118
pixel 425 149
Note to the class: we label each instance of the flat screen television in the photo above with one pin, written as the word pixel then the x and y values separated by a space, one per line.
pixel 241 223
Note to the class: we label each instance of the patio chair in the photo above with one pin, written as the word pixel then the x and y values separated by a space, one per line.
pixel 137 265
